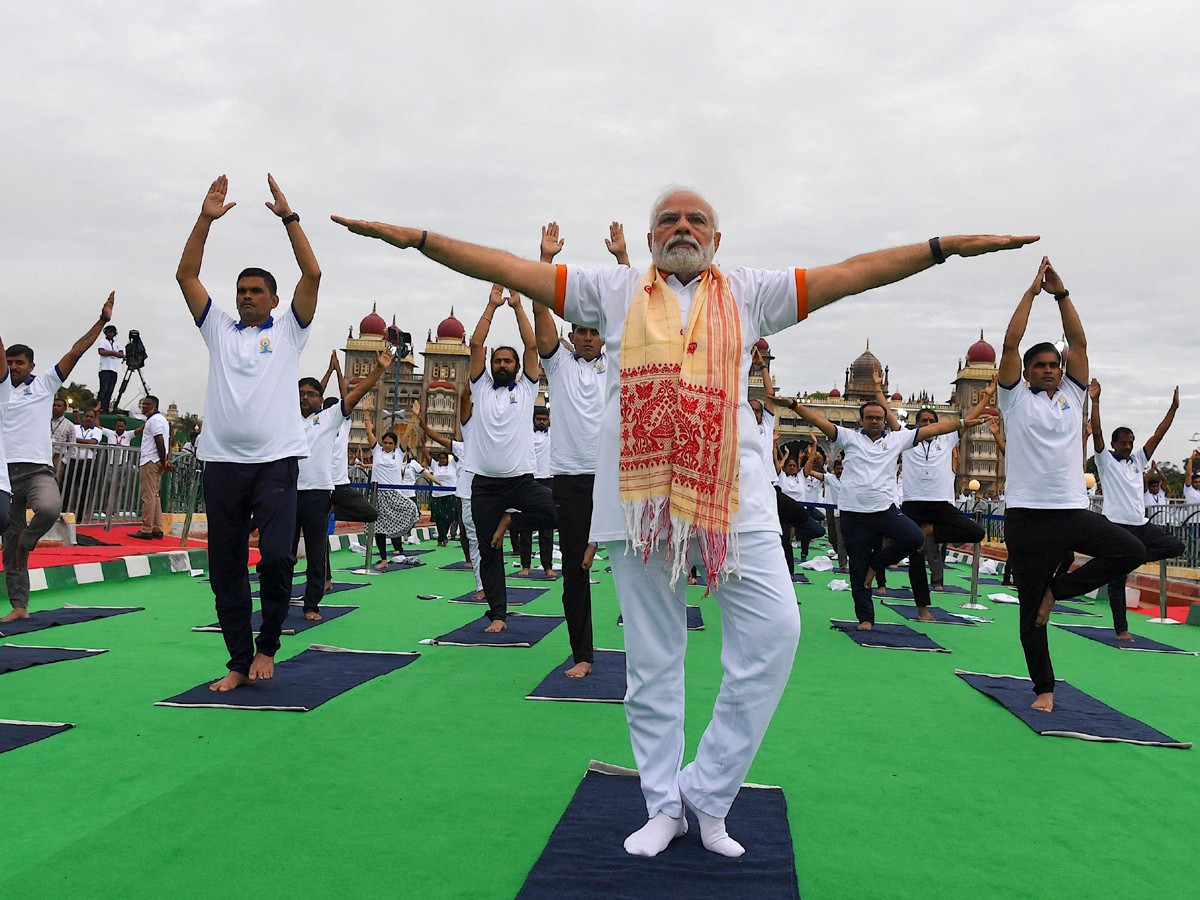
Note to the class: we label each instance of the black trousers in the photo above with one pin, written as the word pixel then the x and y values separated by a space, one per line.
pixel 235 494
pixel 1037 540
pixel 533 507
pixel 795 515
pixel 573 515
pixel 349 505
pixel 524 539
pixel 875 541
pixel 1159 544
pixel 108 381
pixel 949 527
pixel 312 520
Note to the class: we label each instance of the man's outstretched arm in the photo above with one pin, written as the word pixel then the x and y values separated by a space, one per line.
pixel 188 273
pixel 529 359
pixel 1010 353
pixel 80 347
pixel 536 280
pixel 480 334
pixel 1161 431
pixel 304 299
pixel 1077 359
pixel 871 270
pixel 543 321
pixel 383 360
pixel 812 417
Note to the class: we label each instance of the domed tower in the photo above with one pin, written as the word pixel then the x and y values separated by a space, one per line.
pixel 447 364
pixel 978 456
pixel 860 377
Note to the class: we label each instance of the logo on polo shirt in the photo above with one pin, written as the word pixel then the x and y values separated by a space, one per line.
pixel 512 399
pixel 1062 403
pixel 28 391
pixel 264 345
pixel 316 420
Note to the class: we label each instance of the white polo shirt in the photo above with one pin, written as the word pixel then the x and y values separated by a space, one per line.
pixel 408 475
pixel 320 432
pixel 928 473
pixel 6 390
pixel 446 475
pixel 814 489
pixel 833 491
pixel 1159 499
pixel 1122 479
pixel 120 440
pixel 767 301
pixel 340 463
pixel 387 468
pixel 461 450
pixel 869 468
pixel 250 409
pixel 27 425
pixel 1190 494
pixel 542 451
pixel 83 433
pixel 109 363
pixel 1044 456
pixel 503 416
pixel 766 434
pixel 157 424
pixel 793 486
pixel 577 392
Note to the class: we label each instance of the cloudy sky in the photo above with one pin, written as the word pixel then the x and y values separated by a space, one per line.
pixel 817 130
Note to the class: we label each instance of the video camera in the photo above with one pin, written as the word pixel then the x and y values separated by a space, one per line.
pixel 401 340
pixel 135 351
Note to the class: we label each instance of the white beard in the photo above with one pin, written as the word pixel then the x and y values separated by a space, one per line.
pixel 684 256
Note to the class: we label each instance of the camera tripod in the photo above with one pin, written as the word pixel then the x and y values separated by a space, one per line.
pixel 125 384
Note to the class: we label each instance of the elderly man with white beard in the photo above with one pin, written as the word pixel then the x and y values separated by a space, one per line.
pixel 679 476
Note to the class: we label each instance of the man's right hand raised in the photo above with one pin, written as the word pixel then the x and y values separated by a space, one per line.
pixel 214 205
pixel 551 242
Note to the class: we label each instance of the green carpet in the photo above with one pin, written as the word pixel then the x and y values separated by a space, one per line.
pixel 441 781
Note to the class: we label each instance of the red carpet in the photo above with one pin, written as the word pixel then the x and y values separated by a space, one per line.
pixel 1178 613
pixel 125 546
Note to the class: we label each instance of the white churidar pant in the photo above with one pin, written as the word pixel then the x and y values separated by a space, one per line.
pixel 473 541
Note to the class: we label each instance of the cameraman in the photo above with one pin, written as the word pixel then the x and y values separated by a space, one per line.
pixel 110 356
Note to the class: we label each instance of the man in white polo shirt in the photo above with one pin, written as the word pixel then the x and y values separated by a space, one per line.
pixel 1046 514
pixel 253 434
pixel 111 354
pixel 502 399
pixel 1121 472
pixel 730 520
pixel 155 459
pixel 1191 480
pixel 26 437
pixel 6 388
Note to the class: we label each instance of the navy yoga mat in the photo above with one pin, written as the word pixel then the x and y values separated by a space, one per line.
pixel 1105 635
pixel 302 682
pixel 336 588
pixel 295 621
pixel 68 615
pixel 536 575
pixel 585 858
pixel 14 734
pixel 14 657
pixel 695 619
pixel 390 567
pixel 523 631
pixel 1075 713
pixel 460 566
pixel 909 611
pixel 893 593
pixel 517 596
pixel 1060 608
pixel 605 684
pixel 887 636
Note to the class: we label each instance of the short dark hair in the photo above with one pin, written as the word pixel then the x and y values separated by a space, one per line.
pixel 313 383
pixel 255 272
pixel 108 328
pixel 392 435
pixel 1154 479
pixel 120 419
pixel 1043 347
pixel 151 397
pixel 20 350
pixel 330 401
pixel 862 408
pixel 925 409
pixel 1119 433
pixel 541 410
pixel 513 351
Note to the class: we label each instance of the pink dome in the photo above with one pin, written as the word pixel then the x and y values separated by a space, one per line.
pixel 981 352
pixel 373 324
pixel 451 328
pixel 897 396
pixel 762 345
pixel 835 393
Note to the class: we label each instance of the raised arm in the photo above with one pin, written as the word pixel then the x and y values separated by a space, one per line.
pixel 382 361
pixel 466 403
pixel 615 242
pixel 335 366
pixel 1010 354
pixel 480 334
pixel 367 424
pixel 80 347
pixel 543 322
pixel 768 382
pixel 1187 469
pixel 814 418
pixel 429 432
pixel 781 458
pixel 1094 419
pixel 1077 359
pixel 893 423
pixel 993 425
pixel 871 270
pixel 304 299
pixel 530 360
pixel 188 273
pixel 945 427
pixel 986 398
pixel 536 280
pixel 1161 431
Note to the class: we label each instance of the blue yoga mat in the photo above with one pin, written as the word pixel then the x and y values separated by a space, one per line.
pixel 1060 608
pixel 605 684
pixel 536 575
pixel 459 566
pixel 893 593
pixel 390 567
pixel 585 857
pixel 695 619
pixel 1104 635
pixel 909 611
pixel 517 596
pixel 302 682
pixel 68 615
pixel 295 621
pixel 887 636
pixel 14 734
pixel 1075 713
pixel 14 657
pixel 800 578
pixel 523 631
pixel 336 588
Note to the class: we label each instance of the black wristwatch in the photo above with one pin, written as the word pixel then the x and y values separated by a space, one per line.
pixel 290 218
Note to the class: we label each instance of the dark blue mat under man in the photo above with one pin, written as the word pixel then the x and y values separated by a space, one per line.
pixel 1075 713
pixel 1105 635
pixel 523 630
pixel 605 684
pixel 517 596
pixel 887 636
pixel 585 857
pixel 295 621
pixel 336 588
pixel 940 616
pixel 14 734
pixel 14 657
pixel 302 682
pixel 68 615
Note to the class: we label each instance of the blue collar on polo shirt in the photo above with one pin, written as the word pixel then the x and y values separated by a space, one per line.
pixel 511 387
pixel 263 326
pixel 28 380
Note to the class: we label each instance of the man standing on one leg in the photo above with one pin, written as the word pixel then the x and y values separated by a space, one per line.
pixel 155 459
pixel 253 434
pixel 1046 511
pixel 1121 471
pixel 31 457
pixel 657 495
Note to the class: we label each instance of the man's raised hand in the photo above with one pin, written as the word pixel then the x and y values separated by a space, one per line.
pixel 513 299
pixel 1051 282
pixel 615 242
pixel 1094 390
pixel 978 244
pixel 106 313
pixel 1175 398
pixel 214 205
pixel 383 359
pixel 280 205
pixel 551 242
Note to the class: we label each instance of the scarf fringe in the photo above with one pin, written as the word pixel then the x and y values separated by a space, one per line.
pixel 649 523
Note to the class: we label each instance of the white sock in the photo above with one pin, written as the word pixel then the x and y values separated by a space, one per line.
pixel 713 834
pixel 652 838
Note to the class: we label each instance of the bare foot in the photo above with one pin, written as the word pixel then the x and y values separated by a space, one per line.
pixel 551 574
pixel 498 537
pixel 870 577
pixel 328 585
pixel 924 614
pixel 1125 637
pixel 262 667
pixel 880 591
pixel 589 555
pixel 480 595
pixel 229 682
pixel 1044 702
pixel 524 572
pixel 940 588
pixel 579 670
pixel 1043 615
pixel 497 626
pixel 864 626
pixel 381 565
pixel 18 612
pixel 312 615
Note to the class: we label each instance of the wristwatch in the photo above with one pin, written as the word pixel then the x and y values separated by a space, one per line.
pixel 290 218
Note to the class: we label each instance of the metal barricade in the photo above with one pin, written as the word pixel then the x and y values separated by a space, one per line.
pixel 100 484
